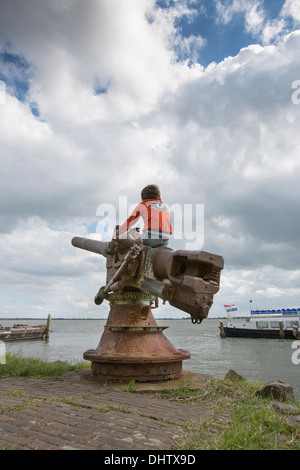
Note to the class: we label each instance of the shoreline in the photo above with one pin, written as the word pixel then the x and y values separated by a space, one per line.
pixel 72 319
pixel 73 410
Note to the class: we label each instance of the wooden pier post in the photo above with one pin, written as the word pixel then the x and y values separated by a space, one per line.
pixel 222 332
pixel 281 330
pixel 296 332
pixel 47 334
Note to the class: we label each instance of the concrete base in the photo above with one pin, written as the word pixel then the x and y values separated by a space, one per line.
pixel 193 380
pixel 143 372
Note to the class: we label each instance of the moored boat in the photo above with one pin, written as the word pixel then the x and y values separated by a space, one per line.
pixel 280 323
pixel 22 331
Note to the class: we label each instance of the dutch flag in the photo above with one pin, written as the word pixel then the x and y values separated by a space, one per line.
pixel 230 308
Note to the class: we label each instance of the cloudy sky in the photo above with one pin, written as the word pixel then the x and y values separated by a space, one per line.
pixel 101 97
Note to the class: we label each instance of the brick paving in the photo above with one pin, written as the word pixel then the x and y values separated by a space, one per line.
pixel 53 414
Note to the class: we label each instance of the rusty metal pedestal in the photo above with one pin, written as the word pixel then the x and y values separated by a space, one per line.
pixel 132 345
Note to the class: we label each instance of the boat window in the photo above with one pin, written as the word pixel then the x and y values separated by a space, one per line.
pixel 274 324
pixel 291 323
pixel 262 324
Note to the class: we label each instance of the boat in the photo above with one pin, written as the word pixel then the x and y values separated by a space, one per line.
pixel 22 331
pixel 279 323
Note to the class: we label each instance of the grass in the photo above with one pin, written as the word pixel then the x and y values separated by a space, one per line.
pixel 239 421
pixel 19 366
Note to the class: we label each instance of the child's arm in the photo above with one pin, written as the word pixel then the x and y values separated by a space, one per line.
pixel 130 221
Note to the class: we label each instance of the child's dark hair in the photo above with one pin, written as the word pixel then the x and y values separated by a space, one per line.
pixel 150 192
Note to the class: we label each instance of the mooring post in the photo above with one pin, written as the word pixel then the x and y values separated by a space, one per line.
pixel 222 332
pixel 47 333
pixel 281 330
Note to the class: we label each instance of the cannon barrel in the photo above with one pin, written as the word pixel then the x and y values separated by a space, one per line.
pixel 96 246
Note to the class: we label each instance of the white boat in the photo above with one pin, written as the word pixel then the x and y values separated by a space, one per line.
pixel 280 323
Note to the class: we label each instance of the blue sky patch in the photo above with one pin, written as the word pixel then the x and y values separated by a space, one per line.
pixel 221 39
pixel 15 73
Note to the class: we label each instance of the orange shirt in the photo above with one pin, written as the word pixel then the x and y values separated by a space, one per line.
pixel 156 217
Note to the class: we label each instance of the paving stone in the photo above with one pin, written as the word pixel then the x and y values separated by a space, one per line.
pixel 52 414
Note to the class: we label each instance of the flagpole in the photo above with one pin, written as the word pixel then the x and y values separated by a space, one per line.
pixel 230 308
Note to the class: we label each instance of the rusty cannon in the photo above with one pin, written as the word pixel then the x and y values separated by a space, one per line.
pixel 132 345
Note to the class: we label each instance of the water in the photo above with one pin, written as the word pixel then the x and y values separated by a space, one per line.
pixel 261 359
